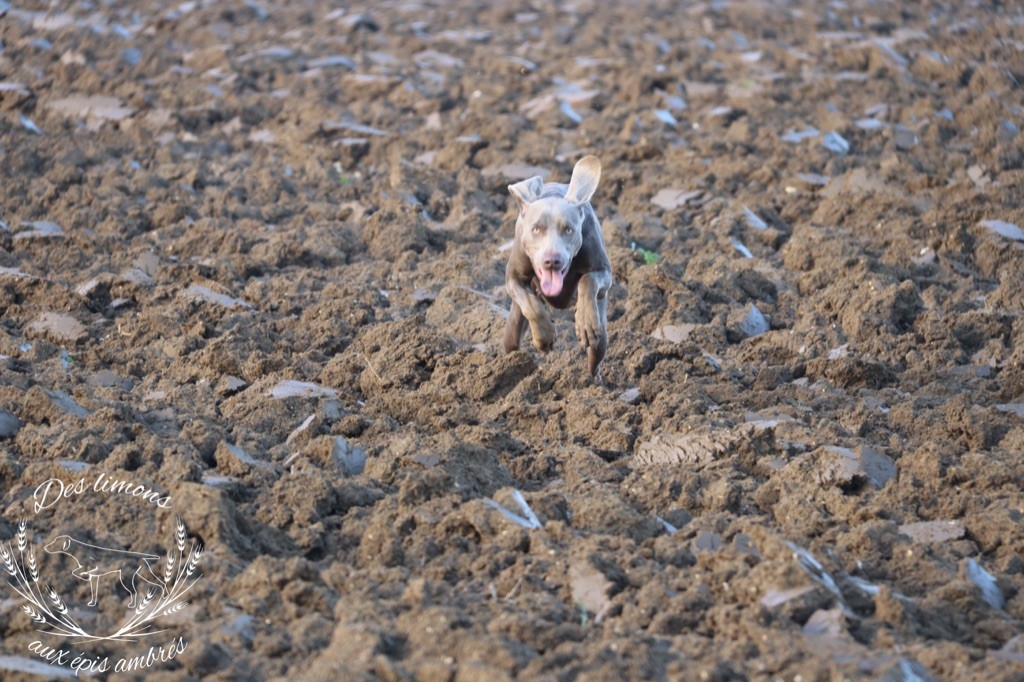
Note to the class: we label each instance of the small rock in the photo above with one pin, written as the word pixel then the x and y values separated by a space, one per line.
pixel 675 333
pixel 1012 408
pixel 229 385
pixel 844 467
pixel 34 668
pixel 977 175
pixel 300 429
pixel 357 128
pixel 673 101
pixel 199 293
pixel 515 171
pixel 228 456
pixel 666 117
pixel 706 541
pixel 933 531
pixel 811 180
pixel 524 64
pixel 217 481
pixel 533 108
pixel 838 353
pixel 835 143
pixel 349 458
pixel 984 581
pixel 148 262
pixel 1000 227
pixel 925 257
pixel 904 138
pixel 870 124
pixel 570 113
pixel 630 396
pixel 744 544
pixel 74 466
pixel 742 248
pixel 14 273
pixel 753 220
pixel 301 389
pixel 107 379
pixel 775 598
pixel 9 424
pixel 66 403
pixel 275 53
pixel 29 125
pixel 332 61
pixel 57 327
pixel 39 229
pixel 590 588
pixel 424 296
pixel 96 106
pixel 754 324
pixel 137 276
pixel 669 199
pixel 797 136
pixel 829 623
pixel 1007 131
pixel 432 59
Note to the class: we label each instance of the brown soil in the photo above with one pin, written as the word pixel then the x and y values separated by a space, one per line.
pixel 229 195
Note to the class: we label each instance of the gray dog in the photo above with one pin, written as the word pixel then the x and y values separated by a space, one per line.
pixel 558 255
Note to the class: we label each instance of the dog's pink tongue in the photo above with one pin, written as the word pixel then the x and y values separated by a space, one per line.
pixel 550 282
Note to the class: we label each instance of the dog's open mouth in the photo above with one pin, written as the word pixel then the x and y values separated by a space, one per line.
pixel 551 280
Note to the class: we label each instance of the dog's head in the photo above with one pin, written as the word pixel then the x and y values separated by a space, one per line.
pixel 61 543
pixel 551 229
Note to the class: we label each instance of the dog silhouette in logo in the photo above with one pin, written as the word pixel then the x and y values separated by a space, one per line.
pixel 95 562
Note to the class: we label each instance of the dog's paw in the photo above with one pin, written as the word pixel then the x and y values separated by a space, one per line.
pixel 589 330
pixel 543 335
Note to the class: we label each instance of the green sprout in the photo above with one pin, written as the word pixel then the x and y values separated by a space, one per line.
pixel 649 256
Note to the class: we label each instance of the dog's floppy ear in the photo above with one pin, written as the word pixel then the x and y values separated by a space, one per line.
pixel 528 190
pixel 585 177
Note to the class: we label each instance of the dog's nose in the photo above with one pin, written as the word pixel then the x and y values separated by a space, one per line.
pixel 552 262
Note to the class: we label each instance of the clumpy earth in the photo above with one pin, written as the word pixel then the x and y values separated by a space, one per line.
pixel 252 259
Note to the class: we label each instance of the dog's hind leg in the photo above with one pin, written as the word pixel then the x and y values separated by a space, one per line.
pixel 153 580
pixel 129 585
pixel 514 327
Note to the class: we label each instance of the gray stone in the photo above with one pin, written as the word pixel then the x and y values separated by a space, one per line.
pixel 349 458
pixel 845 467
pixel 933 531
pixel 9 424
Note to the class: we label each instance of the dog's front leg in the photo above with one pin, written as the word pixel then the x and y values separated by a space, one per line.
pixel 94 584
pixel 535 312
pixel 514 327
pixel 591 317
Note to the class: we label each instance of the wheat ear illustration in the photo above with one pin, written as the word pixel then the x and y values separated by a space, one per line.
pixel 46 609
pixel 179 577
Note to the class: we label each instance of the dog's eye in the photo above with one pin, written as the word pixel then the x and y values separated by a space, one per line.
pixel 567 230
pixel 536 229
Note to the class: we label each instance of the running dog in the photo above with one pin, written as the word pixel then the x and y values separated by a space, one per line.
pixel 558 257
